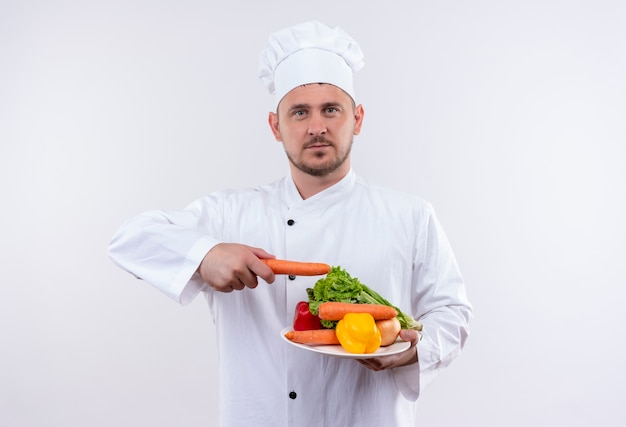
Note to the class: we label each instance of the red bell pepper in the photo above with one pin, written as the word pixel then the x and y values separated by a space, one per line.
pixel 303 319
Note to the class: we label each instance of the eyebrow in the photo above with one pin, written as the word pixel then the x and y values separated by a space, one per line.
pixel 308 106
pixel 299 107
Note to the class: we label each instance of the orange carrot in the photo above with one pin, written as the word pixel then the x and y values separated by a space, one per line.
pixel 313 337
pixel 295 268
pixel 336 310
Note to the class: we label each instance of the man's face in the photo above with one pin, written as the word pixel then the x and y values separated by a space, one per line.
pixel 316 124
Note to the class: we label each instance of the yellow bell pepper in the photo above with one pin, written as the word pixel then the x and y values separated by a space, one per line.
pixel 358 334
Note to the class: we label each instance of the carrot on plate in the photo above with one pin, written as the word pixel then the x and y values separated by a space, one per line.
pixel 296 268
pixel 337 310
pixel 313 337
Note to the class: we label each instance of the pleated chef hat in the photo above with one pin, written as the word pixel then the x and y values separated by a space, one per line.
pixel 310 52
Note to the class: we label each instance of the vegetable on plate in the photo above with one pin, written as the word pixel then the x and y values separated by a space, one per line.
pixel 313 337
pixel 339 286
pixel 303 319
pixel 357 333
pixel 333 310
pixel 389 330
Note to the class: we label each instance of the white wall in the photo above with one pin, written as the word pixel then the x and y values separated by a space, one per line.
pixel 508 116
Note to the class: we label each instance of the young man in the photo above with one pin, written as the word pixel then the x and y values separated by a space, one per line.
pixel 322 212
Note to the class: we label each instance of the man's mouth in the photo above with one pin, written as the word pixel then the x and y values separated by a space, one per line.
pixel 318 143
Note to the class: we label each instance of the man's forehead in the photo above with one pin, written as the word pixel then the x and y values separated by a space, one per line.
pixel 315 94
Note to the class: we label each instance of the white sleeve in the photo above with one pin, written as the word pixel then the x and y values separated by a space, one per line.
pixel 440 303
pixel 165 250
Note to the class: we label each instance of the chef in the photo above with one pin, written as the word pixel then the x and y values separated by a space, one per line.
pixel 322 212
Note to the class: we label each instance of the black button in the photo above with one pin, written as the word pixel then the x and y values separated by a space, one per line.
pixel 292 277
pixel 293 394
pixel 291 222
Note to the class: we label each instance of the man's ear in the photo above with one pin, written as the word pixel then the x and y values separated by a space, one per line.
pixel 273 122
pixel 358 118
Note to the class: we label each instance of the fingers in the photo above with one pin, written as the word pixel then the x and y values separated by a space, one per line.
pixel 381 363
pixel 392 361
pixel 374 364
pixel 260 269
pixel 395 360
pixel 231 267
pixel 410 335
pixel 260 253
pixel 244 275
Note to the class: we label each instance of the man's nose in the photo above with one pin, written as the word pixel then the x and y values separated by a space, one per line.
pixel 317 125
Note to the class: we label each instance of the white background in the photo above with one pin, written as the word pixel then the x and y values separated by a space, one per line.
pixel 508 116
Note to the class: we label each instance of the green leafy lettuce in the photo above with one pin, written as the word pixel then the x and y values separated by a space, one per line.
pixel 339 286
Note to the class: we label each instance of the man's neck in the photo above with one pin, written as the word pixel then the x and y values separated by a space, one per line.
pixel 309 185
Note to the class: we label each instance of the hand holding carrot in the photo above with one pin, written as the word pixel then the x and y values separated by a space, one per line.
pixel 231 266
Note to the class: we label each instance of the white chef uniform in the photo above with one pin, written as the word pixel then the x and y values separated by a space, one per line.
pixel 389 240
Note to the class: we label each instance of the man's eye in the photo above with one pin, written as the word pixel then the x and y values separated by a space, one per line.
pixel 331 110
pixel 299 113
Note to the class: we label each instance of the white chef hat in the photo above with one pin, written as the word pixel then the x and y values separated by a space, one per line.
pixel 310 52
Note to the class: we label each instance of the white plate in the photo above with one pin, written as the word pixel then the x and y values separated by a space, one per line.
pixel 339 351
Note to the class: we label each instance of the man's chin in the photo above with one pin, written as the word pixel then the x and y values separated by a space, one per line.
pixel 319 166
pixel 319 170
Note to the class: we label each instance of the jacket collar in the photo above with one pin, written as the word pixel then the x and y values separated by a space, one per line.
pixel 323 198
